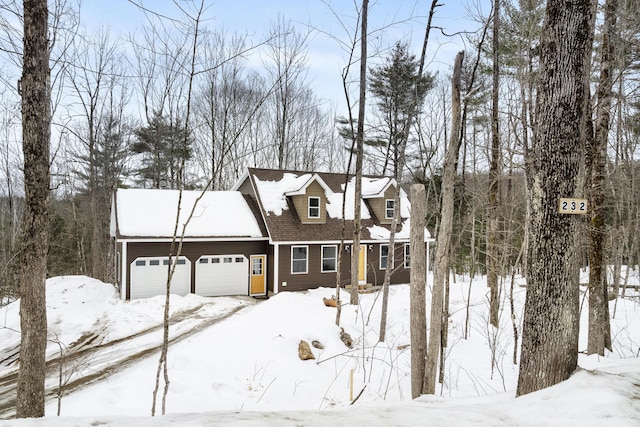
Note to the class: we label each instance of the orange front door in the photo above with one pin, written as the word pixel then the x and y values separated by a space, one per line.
pixel 258 275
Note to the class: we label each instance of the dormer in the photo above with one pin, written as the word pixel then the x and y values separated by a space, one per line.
pixel 310 201
pixel 380 193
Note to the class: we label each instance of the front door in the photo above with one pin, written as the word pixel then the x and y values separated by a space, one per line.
pixel 258 280
pixel 362 265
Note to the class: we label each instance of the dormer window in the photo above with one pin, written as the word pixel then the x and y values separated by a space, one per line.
pixel 389 208
pixel 314 207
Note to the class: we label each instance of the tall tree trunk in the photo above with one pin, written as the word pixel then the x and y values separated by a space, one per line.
pixel 399 168
pixel 550 326
pixel 97 241
pixel 494 180
pixel 355 250
pixel 177 239
pixel 418 325
pixel 35 240
pixel 441 267
pixel 596 159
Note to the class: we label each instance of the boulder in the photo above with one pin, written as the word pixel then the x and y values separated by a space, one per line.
pixel 304 351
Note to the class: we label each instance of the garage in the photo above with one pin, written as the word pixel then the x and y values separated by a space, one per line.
pixel 218 275
pixel 149 277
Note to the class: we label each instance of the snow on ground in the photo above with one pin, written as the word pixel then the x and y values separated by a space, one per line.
pixel 245 369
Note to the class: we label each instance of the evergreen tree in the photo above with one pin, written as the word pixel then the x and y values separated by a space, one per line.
pixel 102 169
pixel 163 145
pixel 393 84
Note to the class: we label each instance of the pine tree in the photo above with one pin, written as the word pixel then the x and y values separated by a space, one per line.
pixel 393 86
pixel 163 145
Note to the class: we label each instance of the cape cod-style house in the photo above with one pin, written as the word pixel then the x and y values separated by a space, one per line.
pixel 276 230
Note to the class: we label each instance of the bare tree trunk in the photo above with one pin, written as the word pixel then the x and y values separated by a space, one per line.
pixel 494 179
pixel 514 323
pixel 596 159
pixel 444 233
pixel 355 250
pixel 35 240
pixel 444 330
pixel 549 351
pixel 418 302
pixel 178 238
pixel 399 168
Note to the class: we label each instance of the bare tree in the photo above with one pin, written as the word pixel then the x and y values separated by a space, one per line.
pixel 494 174
pixel 550 326
pixel 286 67
pixel 93 79
pixel 36 135
pixel 441 267
pixel 417 300
pixel 229 98
pixel 194 20
pixel 10 206
pixel 355 250
pixel 596 156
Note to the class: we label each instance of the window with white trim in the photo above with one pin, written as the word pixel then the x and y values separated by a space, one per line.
pixel 299 259
pixel 407 255
pixel 329 254
pixel 389 208
pixel 384 256
pixel 314 207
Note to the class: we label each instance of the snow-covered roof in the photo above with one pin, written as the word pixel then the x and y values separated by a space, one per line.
pixel 273 193
pixel 152 213
pixel 380 233
pixel 334 207
pixel 375 187
pixel 312 178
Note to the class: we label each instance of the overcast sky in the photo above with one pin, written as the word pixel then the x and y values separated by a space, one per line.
pixel 329 21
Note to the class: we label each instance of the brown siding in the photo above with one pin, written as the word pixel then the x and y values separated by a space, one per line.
pixel 377 206
pixel 301 203
pixel 193 251
pixel 270 268
pixel 315 278
pixel 375 275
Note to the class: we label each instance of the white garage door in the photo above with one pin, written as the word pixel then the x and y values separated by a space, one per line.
pixel 149 277
pixel 218 275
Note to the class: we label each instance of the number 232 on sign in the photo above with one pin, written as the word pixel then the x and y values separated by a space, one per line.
pixel 572 206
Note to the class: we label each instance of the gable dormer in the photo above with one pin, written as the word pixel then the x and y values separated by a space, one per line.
pixel 380 193
pixel 310 201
